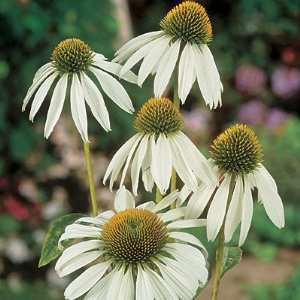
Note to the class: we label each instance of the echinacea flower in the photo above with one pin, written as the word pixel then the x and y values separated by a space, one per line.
pixel 72 64
pixel 237 155
pixel 134 253
pixel 185 32
pixel 157 148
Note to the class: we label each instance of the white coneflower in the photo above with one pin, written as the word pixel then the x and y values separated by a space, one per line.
pixel 134 253
pixel 72 64
pixel 157 148
pixel 185 32
pixel 237 154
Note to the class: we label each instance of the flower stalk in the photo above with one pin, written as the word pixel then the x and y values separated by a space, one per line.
pixel 90 178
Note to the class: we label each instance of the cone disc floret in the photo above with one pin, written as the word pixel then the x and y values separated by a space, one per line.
pixel 72 56
pixel 237 150
pixel 134 235
pixel 158 115
pixel 188 21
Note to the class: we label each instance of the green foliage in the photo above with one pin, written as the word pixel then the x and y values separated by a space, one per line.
pixel 50 250
pixel 232 257
pixel 8 225
pixel 27 291
pixel 286 291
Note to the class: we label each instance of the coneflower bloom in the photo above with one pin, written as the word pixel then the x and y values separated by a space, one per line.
pixel 134 253
pixel 237 155
pixel 72 67
pixel 157 148
pixel 185 32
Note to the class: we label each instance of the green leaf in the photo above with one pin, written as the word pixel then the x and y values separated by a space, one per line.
pixel 232 257
pixel 50 250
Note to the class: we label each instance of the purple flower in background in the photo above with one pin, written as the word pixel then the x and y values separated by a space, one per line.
pixel 286 82
pixel 197 120
pixel 252 112
pixel 250 79
pixel 276 118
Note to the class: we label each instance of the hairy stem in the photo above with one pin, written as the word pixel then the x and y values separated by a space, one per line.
pixel 90 178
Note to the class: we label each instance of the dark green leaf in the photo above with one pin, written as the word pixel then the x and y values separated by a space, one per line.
pixel 50 250
pixel 232 257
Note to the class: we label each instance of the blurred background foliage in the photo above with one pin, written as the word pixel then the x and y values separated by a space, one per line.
pixel 257 50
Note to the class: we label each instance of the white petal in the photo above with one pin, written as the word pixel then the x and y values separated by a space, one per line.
pixel 172 215
pixel 187 224
pixel 265 173
pixel 159 47
pixel 36 83
pixel 78 262
pixel 146 168
pixel 166 202
pixel 197 161
pixel 42 70
pixel 114 287
pixel 143 288
pixel 98 220
pixel 78 108
pixel 186 73
pixel 77 231
pixel 86 281
pixel 183 194
pixel 114 90
pixel 208 77
pixel 41 95
pixel 165 68
pixel 118 160
pixel 95 101
pixel 115 68
pixel 161 166
pixel 139 55
pixel 123 200
pixel 187 238
pixel 130 154
pixel 99 291
pixel 181 165
pixel 199 201
pixel 136 43
pixel 56 104
pixel 137 163
pixel 217 209
pixel 270 199
pixel 147 205
pixel 247 212
pixel 76 250
pixel 234 213
pixel 127 289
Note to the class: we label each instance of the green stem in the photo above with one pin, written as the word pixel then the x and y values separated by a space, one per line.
pixel 90 178
pixel 158 195
pixel 220 249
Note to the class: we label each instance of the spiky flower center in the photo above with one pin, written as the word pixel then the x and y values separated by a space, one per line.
pixel 72 56
pixel 237 150
pixel 188 21
pixel 134 235
pixel 158 115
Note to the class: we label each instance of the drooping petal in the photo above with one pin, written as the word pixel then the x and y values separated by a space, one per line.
pixel 247 212
pixel 123 200
pixel 234 213
pixel 165 69
pixel 159 47
pixel 99 291
pixel 114 90
pixel 41 70
pixel 115 68
pixel 78 108
pixel 41 95
pixel 217 209
pixel 143 287
pixel 186 73
pixel 165 202
pixel 137 163
pixel 118 160
pixel 270 199
pixel 199 201
pixel 56 104
pixel 161 166
pixel 187 224
pixel 36 83
pixel 86 280
pixel 146 168
pixel 172 214
pixel 95 101
pixel 127 289
pixel 181 164
pixel 134 44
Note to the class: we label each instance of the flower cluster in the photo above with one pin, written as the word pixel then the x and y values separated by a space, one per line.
pixel 141 252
